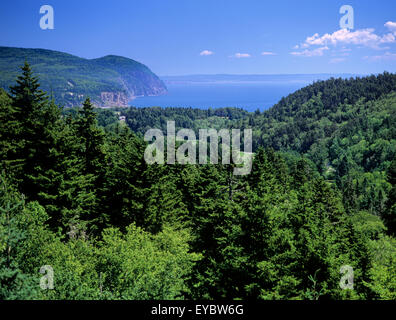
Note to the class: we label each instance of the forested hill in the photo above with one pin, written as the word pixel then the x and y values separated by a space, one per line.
pixel 80 199
pixel 289 124
pixel 297 113
pixel 346 127
pixel 108 81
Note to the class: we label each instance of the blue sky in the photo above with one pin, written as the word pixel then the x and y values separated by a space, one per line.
pixel 176 37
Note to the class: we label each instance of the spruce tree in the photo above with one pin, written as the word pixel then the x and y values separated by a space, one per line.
pixel 124 190
pixel 9 130
pixel 92 138
pixel 92 153
pixel 390 215
pixel 14 284
pixel 36 119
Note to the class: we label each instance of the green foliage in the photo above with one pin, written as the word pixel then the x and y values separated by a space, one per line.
pixel 70 79
pixel 36 120
pixel 346 128
pixel 383 270
pixel 390 216
pixel 9 130
pixel 14 283
pixel 112 227
pixel 140 120
pixel 138 265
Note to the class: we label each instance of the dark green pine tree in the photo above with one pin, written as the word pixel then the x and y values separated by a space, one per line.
pixel 9 131
pixel 215 224
pixel 264 199
pixel 76 195
pixel 390 215
pixel 124 185
pixel 37 118
pixel 14 284
pixel 93 156
pixel 92 138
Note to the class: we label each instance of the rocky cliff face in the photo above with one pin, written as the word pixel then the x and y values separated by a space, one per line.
pixel 111 99
pixel 121 99
pixel 136 79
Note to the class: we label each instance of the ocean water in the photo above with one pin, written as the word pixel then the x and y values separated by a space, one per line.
pixel 246 95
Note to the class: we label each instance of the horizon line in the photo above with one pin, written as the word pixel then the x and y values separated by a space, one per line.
pixel 265 74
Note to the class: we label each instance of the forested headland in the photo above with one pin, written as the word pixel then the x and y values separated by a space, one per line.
pixel 77 195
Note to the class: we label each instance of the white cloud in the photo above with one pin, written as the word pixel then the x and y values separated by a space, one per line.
pixel 241 55
pixel 337 60
pixel 345 49
pixel 363 37
pixel 391 26
pixel 268 53
pixel 341 53
pixel 310 53
pixel 206 53
pixel 386 56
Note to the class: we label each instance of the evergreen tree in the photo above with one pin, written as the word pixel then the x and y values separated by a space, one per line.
pixel 92 139
pixel 390 216
pixel 9 131
pixel 92 153
pixel 14 284
pixel 37 119
pixel 125 188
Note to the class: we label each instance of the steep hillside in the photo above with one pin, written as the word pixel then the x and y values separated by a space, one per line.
pixel 108 81
pixel 294 123
pixel 82 199
pixel 346 128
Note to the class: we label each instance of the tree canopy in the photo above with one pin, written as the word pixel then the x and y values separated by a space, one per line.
pixel 77 197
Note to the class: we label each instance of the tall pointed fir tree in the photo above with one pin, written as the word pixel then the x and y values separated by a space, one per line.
pixel 93 156
pixel 37 118
pixel 92 138
pixel 14 283
pixel 390 215
pixel 9 130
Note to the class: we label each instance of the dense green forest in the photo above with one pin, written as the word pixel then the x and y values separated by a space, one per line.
pixel 77 195
pixel 70 79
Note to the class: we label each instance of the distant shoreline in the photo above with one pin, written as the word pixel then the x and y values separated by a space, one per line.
pixel 254 78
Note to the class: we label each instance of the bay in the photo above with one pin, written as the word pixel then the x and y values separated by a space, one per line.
pixel 247 95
